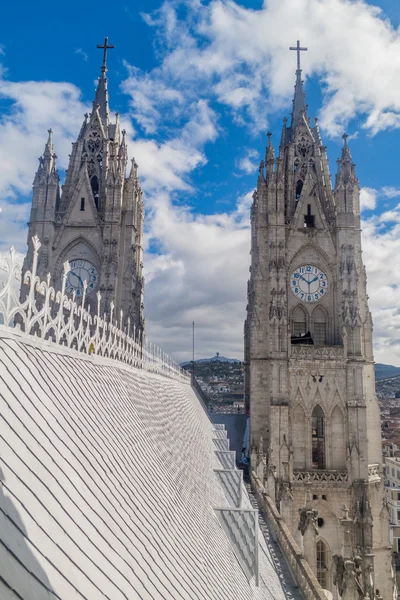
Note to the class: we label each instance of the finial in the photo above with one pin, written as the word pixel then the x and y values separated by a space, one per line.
pixel 50 131
pixel 269 135
pixel 344 137
pixel 105 47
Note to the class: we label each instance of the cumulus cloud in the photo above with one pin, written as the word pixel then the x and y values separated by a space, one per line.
pixel 381 247
pixel 368 198
pixel 200 268
pixel 248 162
pixel 200 276
pixel 201 55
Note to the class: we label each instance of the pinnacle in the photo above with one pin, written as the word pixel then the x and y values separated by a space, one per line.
pixel 270 155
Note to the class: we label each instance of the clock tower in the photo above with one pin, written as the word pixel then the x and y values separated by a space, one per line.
pixel 309 367
pixel 95 222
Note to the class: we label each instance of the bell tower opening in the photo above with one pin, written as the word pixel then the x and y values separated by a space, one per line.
pixel 309 219
pixel 94 184
pixel 299 187
pixel 299 322
pixel 318 438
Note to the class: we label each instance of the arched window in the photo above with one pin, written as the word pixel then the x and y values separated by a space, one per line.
pixel 299 322
pixel 299 187
pixel 319 327
pixel 338 444
pixel 94 183
pixel 322 564
pixel 299 441
pixel 318 438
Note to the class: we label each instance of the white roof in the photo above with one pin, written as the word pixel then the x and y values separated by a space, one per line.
pixel 111 480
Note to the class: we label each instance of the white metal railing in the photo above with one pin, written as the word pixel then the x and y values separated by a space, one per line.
pixel 58 318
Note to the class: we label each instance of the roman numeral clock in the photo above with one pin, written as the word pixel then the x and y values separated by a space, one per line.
pixel 309 283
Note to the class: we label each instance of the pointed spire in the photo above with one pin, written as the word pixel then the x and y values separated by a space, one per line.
pixel 102 92
pixel 270 156
pixel 346 155
pixel 47 162
pixel 49 149
pixel 101 99
pixel 134 168
pixel 299 100
pixel 346 172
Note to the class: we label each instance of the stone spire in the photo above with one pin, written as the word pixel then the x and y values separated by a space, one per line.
pixel 47 162
pixel 270 156
pixel 346 172
pixel 299 100
pixel 101 99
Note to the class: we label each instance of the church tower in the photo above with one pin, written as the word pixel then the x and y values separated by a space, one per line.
pixel 96 221
pixel 309 367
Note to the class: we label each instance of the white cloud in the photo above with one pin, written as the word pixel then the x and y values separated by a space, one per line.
pixel 249 162
pixel 82 53
pixel 380 251
pixel 201 268
pixel 368 198
pixel 35 107
pixel 200 276
pixel 201 54
pixel 390 192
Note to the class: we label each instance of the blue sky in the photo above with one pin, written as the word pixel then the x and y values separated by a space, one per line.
pixel 198 84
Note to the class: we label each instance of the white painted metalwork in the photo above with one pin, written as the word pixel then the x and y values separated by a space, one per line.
pixel 56 317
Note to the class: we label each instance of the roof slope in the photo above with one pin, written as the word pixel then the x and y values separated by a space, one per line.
pixel 108 485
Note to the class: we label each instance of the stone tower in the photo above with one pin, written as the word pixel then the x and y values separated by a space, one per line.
pixel 309 367
pixel 96 221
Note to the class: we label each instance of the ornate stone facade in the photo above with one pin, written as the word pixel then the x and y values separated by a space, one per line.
pixel 96 221
pixel 309 370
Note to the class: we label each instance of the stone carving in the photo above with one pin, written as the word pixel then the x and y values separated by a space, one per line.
pixel 373 473
pixel 317 352
pixel 58 318
pixel 325 476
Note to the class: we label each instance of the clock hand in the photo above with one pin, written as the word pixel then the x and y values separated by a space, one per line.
pixel 315 279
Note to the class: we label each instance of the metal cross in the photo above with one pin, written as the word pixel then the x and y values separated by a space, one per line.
pixel 298 48
pixel 105 47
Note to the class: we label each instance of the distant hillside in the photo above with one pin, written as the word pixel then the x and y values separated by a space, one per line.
pixel 385 371
pixel 381 371
pixel 213 359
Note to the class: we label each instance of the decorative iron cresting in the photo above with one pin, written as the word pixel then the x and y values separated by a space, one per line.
pixel 60 319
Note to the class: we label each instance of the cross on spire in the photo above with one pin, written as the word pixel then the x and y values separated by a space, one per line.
pixel 105 47
pixel 298 49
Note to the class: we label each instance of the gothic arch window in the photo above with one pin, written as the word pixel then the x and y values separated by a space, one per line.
pixel 318 438
pixel 299 322
pixel 319 327
pixel 322 564
pixel 338 445
pixel 299 187
pixel 94 183
pixel 299 441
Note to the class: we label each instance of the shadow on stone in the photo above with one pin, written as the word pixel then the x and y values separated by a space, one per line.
pixel 21 574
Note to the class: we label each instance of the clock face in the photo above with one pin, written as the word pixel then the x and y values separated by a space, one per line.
pixel 81 270
pixel 309 283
